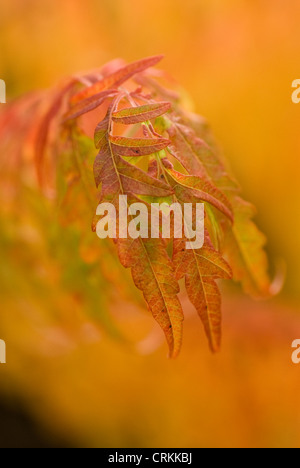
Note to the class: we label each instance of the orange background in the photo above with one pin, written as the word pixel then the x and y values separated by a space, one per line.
pixel 237 59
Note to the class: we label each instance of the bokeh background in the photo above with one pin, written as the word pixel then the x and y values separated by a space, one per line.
pixel 66 382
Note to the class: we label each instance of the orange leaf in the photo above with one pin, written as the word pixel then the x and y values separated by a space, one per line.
pixel 201 268
pixel 117 78
pixel 133 115
pixel 137 146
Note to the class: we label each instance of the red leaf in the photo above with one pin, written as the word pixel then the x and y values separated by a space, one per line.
pixel 133 115
pixel 89 104
pixel 137 146
pixel 201 268
pixel 191 189
pixel 153 273
pixel 117 78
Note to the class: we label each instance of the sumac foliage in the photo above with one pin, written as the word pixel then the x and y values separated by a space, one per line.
pixel 142 143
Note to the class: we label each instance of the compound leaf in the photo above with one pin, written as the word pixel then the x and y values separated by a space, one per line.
pixel 146 136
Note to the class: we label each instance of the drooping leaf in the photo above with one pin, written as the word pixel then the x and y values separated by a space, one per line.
pixel 193 189
pixel 88 104
pixel 185 148
pixel 201 268
pixel 100 134
pixel 45 122
pixel 153 274
pixel 244 246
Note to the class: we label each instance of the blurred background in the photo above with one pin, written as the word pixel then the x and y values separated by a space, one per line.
pixel 67 383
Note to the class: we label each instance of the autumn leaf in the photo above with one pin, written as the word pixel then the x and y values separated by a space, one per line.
pixel 244 245
pixel 137 146
pixel 54 104
pixel 186 149
pixel 195 154
pixel 88 104
pixel 133 115
pixel 201 268
pixel 116 173
pixel 117 78
pixel 153 274
pixel 192 189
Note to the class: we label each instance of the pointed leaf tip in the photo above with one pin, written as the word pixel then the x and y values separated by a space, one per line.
pixel 133 115
pixel 137 146
pixel 115 79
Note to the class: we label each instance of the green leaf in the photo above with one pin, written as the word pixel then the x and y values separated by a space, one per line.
pixel 244 247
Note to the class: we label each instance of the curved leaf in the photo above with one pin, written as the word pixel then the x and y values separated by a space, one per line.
pixel 133 115
pixel 117 78
pixel 89 104
pixel 137 146
pixel 191 189
pixel 153 274
pixel 244 247
pixel 201 268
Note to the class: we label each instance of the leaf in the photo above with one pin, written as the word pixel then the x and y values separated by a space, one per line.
pixel 185 147
pixel 133 179
pixel 137 146
pixel 153 273
pixel 117 78
pixel 157 90
pixel 75 185
pixel 44 124
pixel 191 189
pixel 89 104
pixel 133 115
pixel 201 268
pixel 100 135
pixel 244 249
